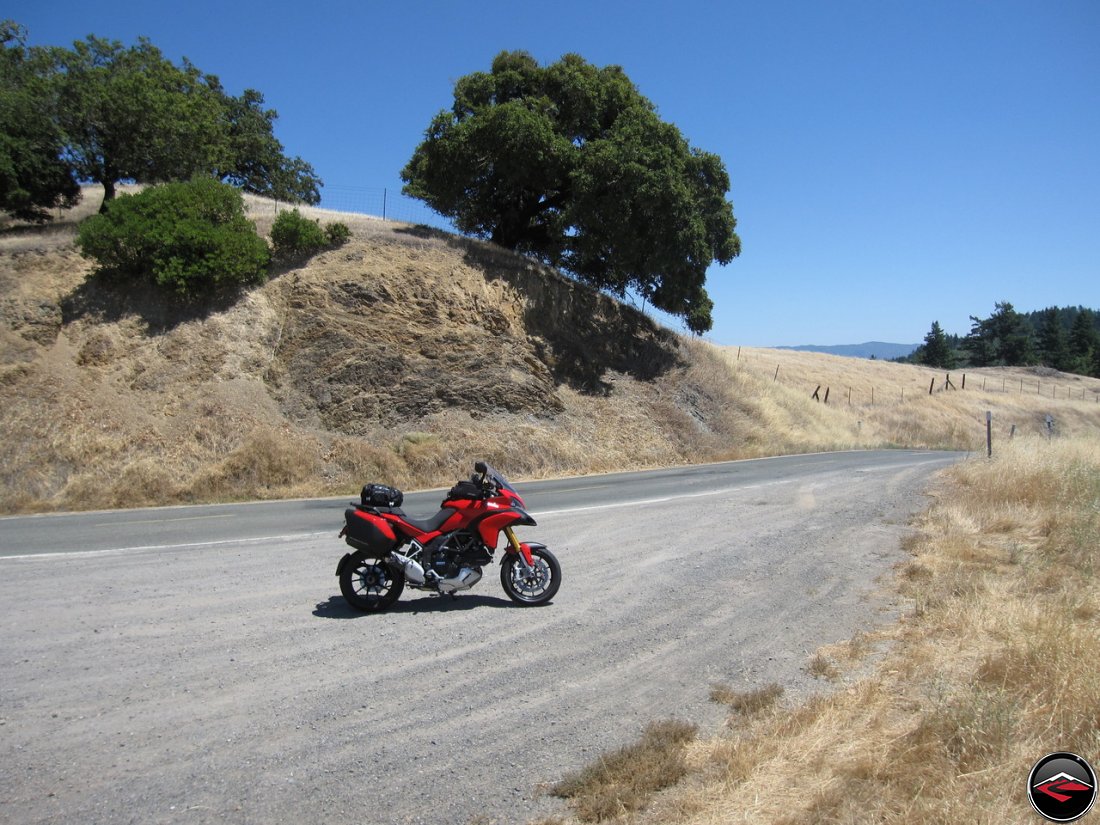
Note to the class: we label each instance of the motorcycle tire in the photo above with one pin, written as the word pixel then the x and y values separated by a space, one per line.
pixel 536 588
pixel 368 585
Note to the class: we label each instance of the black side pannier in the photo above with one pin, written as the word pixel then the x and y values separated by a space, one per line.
pixel 379 495
pixel 464 490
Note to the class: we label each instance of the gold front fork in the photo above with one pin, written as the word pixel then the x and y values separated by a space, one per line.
pixel 512 540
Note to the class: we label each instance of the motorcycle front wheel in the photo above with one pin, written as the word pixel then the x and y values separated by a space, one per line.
pixel 535 587
pixel 368 585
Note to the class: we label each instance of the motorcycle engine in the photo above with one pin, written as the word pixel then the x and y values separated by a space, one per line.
pixel 456 561
pixel 455 551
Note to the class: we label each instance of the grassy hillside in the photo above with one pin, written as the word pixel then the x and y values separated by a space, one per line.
pixel 401 357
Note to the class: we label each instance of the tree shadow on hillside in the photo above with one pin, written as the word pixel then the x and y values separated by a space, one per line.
pixel 588 332
pixel 106 299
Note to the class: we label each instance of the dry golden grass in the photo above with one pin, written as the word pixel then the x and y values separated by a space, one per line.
pixel 881 402
pixel 110 406
pixel 622 782
pixel 995 665
pixel 747 702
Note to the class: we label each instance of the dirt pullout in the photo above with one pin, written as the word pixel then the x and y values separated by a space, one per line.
pixel 232 683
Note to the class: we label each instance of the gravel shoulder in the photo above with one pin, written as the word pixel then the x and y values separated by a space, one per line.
pixel 233 684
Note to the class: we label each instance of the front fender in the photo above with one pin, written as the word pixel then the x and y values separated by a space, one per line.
pixel 525 552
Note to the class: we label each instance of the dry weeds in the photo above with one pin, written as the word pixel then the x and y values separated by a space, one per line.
pixel 747 702
pixel 113 400
pixel 995 665
pixel 622 782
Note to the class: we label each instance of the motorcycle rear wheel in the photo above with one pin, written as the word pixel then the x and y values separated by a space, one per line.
pixel 535 588
pixel 368 585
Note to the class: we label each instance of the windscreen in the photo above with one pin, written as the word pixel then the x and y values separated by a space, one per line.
pixel 493 473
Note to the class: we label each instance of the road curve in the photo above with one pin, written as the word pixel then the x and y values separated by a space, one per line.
pixel 197 664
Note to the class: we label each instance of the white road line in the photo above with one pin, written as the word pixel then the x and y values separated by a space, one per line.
pixel 162 520
pixel 538 514
pixel 661 500
pixel 187 545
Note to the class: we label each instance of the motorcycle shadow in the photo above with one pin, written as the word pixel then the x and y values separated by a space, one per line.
pixel 336 607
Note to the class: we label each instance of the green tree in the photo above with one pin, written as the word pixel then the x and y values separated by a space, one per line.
pixel 936 352
pixel 1084 343
pixel 1000 339
pixel 1011 333
pixel 190 238
pixel 979 343
pixel 1053 350
pixel 571 164
pixel 255 160
pixel 33 176
pixel 131 114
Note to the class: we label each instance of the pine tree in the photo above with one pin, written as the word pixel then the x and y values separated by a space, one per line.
pixel 1053 351
pixel 936 352
pixel 1084 344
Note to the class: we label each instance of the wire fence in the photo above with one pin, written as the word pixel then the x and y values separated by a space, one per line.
pixel 382 202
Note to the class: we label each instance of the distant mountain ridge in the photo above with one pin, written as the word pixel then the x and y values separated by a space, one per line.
pixel 870 349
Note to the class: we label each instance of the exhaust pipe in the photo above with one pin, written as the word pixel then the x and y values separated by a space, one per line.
pixel 410 567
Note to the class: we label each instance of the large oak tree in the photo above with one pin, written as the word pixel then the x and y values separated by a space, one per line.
pixel 33 177
pixel 108 113
pixel 131 114
pixel 571 164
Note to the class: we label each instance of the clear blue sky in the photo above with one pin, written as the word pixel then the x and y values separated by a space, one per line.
pixel 892 163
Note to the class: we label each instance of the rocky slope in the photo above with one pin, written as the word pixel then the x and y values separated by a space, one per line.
pixel 401 356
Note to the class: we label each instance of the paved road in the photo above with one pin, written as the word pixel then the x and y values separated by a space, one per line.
pixel 198 664
pixel 175 528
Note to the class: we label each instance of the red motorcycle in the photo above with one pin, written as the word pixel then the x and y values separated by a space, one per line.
pixel 444 553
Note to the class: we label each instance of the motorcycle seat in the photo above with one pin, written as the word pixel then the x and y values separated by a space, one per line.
pixel 379 510
pixel 430 525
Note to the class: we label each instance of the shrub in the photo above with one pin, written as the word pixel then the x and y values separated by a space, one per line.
pixel 294 235
pixel 337 233
pixel 190 238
